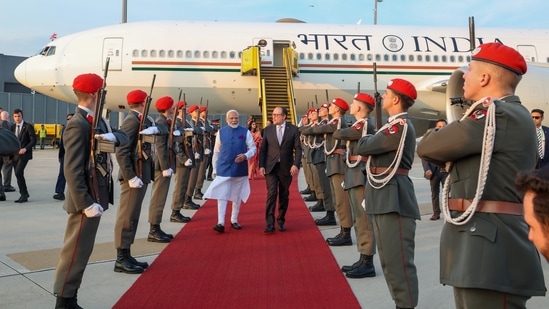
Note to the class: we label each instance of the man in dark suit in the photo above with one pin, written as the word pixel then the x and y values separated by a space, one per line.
pixel 436 176
pixel 279 161
pixel 27 137
pixel 542 132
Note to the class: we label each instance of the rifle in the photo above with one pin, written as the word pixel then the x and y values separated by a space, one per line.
pixel 377 98
pixel 141 155
pixel 93 186
pixel 171 148
pixel 184 133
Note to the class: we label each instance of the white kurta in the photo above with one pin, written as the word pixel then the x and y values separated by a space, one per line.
pixel 234 189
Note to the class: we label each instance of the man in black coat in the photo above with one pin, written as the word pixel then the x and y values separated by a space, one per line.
pixel 27 137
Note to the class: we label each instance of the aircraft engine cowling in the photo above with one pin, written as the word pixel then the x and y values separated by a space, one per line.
pixel 531 91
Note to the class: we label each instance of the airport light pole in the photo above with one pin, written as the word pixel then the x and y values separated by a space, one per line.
pixel 375 10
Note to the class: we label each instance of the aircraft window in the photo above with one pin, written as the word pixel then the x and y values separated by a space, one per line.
pixel 232 54
pixel 419 58
pixel 343 56
pixel 395 58
pixel 427 58
pixel 336 56
pixel 378 57
pixel 301 56
pixel 179 54
pixel 318 56
pixel 468 58
pixel 188 54
pixel 144 53
pixel 452 58
pixel 327 56
pixel 403 58
pixel 206 54
pixel 135 53
pixel 411 58
pixel 370 57
pixel 223 54
pixel 435 58
pixel 44 51
pixel 51 51
pixel 170 53
pixel 215 54
pixel 444 58
pixel 310 56
pixel 161 53
pixel 239 55
pixel 153 53
pixel 353 57
pixel 361 57
pixel 196 54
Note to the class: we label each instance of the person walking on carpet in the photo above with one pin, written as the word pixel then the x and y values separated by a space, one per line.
pixel 234 145
pixel 279 161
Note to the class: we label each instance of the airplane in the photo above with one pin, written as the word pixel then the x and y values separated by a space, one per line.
pixel 204 59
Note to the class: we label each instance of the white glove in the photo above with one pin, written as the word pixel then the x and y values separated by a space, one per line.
pixel 109 137
pixel 363 204
pixel 189 162
pixel 176 133
pixel 167 173
pixel 189 129
pixel 135 183
pixel 150 131
pixel 207 151
pixel 196 156
pixel 202 128
pixel 95 210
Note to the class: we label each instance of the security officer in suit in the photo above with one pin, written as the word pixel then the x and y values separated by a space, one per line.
pixel 184 164
pixel 9 145
pixel 27 137
pixel 542 133
pixel 162 170
pixel 362 106
pixel 493 224
pixel 134 175
pixel 84 210
pixel 198 150
pixel 334 150
pixel 390 196
pixel 436 176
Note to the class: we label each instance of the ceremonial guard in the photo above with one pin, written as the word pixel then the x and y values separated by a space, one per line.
pixel 162 170
pixel 89 189
pixel 184 163
pixel 304 164
pixel 309 168
pixel 135 174
pixel 485 253
pixel 198 151
pixel 353 184
pixel 334 151
pixel 207 158
pixel 390 198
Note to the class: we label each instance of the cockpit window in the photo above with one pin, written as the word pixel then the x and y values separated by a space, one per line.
pixel 47 51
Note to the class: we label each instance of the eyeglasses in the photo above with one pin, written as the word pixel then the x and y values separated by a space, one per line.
pixel 536 117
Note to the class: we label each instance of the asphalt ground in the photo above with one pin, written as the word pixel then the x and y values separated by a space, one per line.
pixel 32 235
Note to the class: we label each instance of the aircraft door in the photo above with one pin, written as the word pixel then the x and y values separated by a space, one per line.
pixel 528 52
pixel 278 55
pixel 265 50
pixel 112 47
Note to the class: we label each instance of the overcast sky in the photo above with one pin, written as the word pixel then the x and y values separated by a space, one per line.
pixel 25 25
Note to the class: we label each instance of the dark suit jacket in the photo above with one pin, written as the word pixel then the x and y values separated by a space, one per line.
pixel 545 160
pixel 289 151
pixel 27 138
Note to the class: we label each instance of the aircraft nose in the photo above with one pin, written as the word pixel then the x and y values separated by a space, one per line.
pixel 20 73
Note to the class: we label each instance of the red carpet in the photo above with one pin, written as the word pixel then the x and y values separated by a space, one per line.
pixel 244 268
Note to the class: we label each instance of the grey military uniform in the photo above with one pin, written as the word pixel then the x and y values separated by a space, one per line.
pixel 161 184
pixel 183 151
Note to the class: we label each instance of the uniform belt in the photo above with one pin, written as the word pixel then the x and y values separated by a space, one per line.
pixel 339 151
pixel 499 207
pixel 388 170
pixel 354 158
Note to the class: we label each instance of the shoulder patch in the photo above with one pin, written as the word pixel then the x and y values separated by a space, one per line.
pixel 358 126
pixel 392 129
pixel 478 114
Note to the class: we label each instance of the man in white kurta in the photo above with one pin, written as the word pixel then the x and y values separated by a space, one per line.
pixel 234 145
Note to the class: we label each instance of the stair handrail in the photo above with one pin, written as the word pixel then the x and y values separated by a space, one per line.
pixel 290 84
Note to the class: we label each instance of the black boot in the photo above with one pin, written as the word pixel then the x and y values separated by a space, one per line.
pixel 365 269
pixel 67 303
pixel 346 268
pixel 123 263
pixel 143 265
pixel 189 204
pixel 178 217
pixel 342 239
pixel 306 191
pixel 329 219
pixel 157 235
pixel 198 194
pixel 319 206
pixel 311 198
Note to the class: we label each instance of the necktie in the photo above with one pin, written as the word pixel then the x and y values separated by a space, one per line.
pixel 90 119
pixel 540 143
pixel 18 130
pixel 279 134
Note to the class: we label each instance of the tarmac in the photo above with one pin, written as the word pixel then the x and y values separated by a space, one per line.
pixel 32 234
